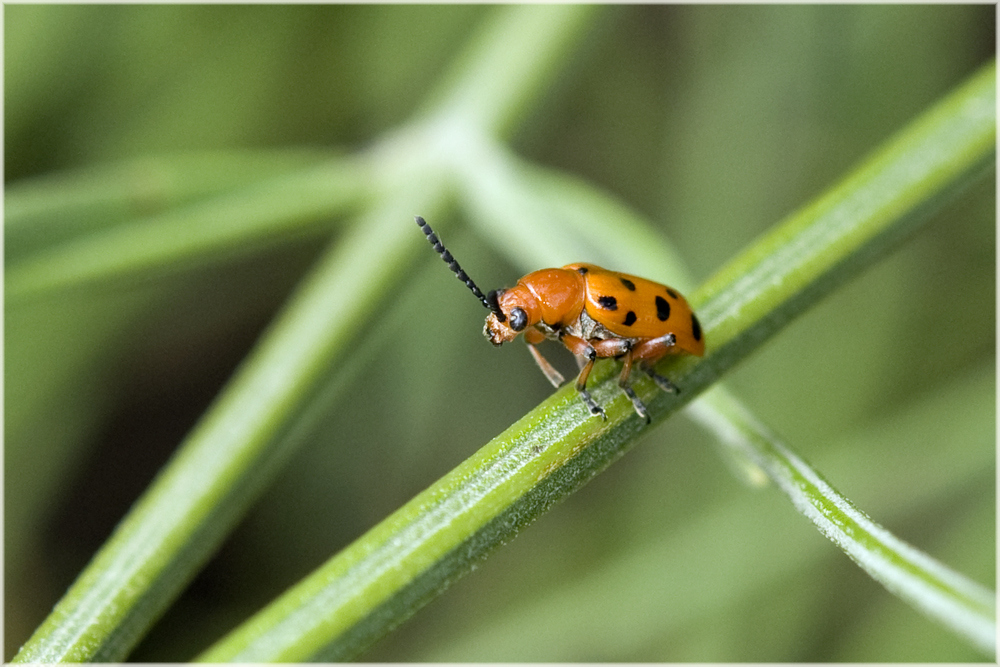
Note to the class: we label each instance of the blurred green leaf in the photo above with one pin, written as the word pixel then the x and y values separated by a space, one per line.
pixel 242 440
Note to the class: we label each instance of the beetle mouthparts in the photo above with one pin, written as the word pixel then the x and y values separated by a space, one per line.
pixel 497 332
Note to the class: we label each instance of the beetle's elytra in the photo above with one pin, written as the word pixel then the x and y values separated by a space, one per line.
pixel 595 313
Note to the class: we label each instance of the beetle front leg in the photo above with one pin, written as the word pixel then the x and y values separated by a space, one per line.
pixel 533 337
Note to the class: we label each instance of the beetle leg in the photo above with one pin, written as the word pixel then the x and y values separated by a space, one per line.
pixel 581 386
pixel 533 337
pixel 593 350
pixel 651 351
pixel 624 384
pixel 623 347
pixel 582 348
pixel 612 347
pixel 662 382
pixel 554 376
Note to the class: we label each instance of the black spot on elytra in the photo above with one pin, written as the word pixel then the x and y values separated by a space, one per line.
pixel 630 319
pixel 629 285
pixel 673 294
pixel 608 302
pixel 662 309
pixel 581 270
pixel 695 327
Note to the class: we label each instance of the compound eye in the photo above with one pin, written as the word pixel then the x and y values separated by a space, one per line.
pixel 518 319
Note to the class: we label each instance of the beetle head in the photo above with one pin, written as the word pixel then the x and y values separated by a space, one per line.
pixel 508 317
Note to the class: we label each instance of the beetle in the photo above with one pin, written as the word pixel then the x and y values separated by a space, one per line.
pixel 595 313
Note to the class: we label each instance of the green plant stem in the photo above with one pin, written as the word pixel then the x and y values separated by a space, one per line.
pixel 655 604
pixel 413 555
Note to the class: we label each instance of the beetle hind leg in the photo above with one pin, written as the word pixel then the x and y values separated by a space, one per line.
pixel 651 351
pixel 662 382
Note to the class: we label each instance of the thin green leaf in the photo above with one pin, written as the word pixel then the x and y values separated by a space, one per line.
pixel 962 605
pixel 413 555
pixel 233 223
pixel 49 210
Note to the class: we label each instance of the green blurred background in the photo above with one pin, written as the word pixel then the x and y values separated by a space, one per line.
pixel 714 122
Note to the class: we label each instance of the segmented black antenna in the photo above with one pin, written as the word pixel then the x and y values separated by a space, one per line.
pixel 489 301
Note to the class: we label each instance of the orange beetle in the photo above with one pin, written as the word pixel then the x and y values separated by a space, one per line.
pixel 595 313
